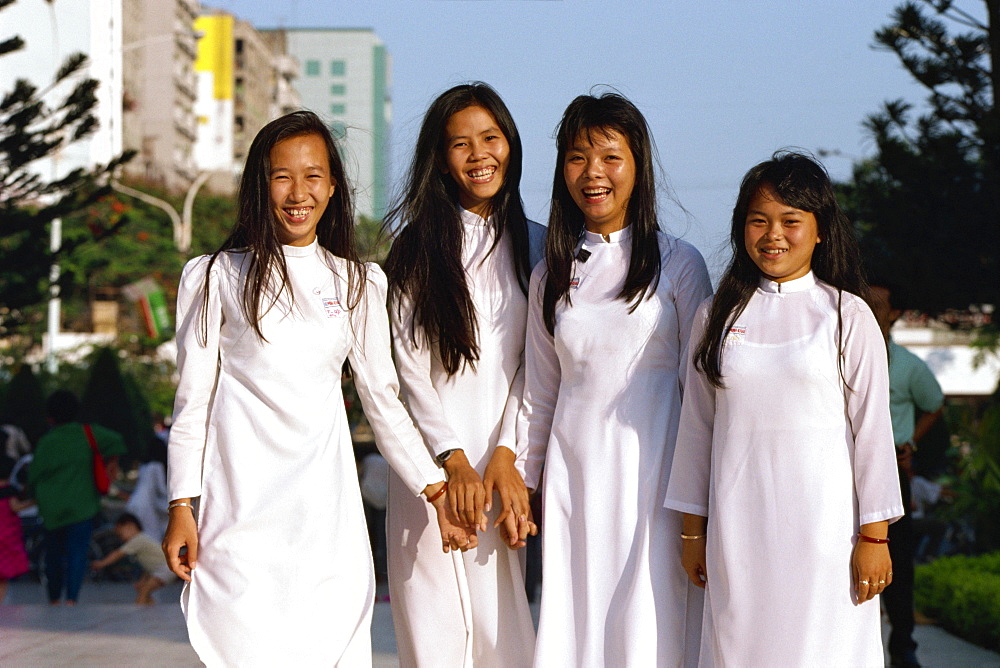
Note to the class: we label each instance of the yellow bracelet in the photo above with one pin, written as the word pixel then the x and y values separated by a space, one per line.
pixel 687 537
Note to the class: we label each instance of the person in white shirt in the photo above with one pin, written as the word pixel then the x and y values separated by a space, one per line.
pixel 277 560
pixel 610 310
pixel 785 467
pixel 458 274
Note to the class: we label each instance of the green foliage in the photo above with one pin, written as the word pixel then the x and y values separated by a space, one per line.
pixel 32 127
pixel 373 244
pixel 143 248
pixel 150 377
pixel 24 404
pixel 963 594
pixel 116 403
pixel 926 204
pixel 977 488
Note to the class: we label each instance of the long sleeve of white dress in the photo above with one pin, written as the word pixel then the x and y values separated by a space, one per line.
pixel 689 483
pixel 198 366
pixel 378 387
pixel 865 371
pixel 413 362
pixel 541 363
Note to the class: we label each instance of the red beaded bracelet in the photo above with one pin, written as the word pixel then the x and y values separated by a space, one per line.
pixel 437 495
pixel 869 539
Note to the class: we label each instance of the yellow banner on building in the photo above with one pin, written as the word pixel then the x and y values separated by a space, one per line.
pixel 216 53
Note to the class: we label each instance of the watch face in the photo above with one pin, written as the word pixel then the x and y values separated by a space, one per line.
pixel 443 457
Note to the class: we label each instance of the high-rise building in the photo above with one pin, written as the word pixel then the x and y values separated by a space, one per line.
pixel 345 79
pixel 159 54
pixel 244 81
pixel 52 32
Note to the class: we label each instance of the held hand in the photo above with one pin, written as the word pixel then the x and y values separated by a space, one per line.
pixel 693 561
pixel 182 532
pixel 454 534
pixel 466 494
pixel 872 569
pixel 514 530
pixel 514 518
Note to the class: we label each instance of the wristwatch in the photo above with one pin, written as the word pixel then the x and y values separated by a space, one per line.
pixel 444 456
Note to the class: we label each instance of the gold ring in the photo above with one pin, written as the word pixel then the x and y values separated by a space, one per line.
pixel 864 582
pixel 881 582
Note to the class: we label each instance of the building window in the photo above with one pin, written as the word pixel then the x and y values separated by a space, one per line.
pixel 338 89
pixel 338 109
pixel 338 129
pixel 312 68
pixel 338 68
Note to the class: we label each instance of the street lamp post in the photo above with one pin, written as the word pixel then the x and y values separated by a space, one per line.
pixel 182 222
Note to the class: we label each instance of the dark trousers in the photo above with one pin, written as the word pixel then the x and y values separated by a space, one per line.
pixel 898 597
pixel 66 559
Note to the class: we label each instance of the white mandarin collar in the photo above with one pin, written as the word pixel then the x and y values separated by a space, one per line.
pixel 795 285
pixel 618 237
pixel 469 218
pixel 300 251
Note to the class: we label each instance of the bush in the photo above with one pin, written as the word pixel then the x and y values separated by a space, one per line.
pixel 963 594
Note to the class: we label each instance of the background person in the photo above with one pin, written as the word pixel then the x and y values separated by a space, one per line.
pixel 915 403
pixel 62 478
pixel 148 500
pixel 13 558
pixel 146 550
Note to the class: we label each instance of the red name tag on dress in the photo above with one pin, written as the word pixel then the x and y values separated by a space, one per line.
pixel 332 307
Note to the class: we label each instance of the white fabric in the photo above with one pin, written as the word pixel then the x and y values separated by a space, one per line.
pixel 786 470
pixel 148 501
pixel 924 493
pixel 462 609
pixel 375 481
pixel 602 401
pixel 284 574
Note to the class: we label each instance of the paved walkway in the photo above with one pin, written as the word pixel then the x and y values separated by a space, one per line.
pixel 106 629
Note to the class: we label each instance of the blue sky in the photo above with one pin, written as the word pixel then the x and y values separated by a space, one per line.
pixel 723 83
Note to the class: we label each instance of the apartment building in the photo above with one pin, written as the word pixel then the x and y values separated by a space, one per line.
pixel 346 80
pixel 159 94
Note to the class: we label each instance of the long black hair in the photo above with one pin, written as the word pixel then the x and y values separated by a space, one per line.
pixel 425 261
pixel 589 116
pixel 256 229
pixel 798 181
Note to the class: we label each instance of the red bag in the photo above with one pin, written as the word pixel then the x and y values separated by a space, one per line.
pixel 101 480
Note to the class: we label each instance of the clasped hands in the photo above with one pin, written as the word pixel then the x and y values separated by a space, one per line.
pixel 470 497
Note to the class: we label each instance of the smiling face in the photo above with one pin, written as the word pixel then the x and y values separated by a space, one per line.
pixel 300 187
pixel 600 174
pixel 780 239
pixel 476 155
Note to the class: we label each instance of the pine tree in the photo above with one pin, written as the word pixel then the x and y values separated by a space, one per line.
pixel 928 204
pixel 33 127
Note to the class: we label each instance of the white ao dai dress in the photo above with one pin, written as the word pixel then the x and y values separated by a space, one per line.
pixel 284 573
pixel 463 609
pixel 787 463
pixel 602 401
